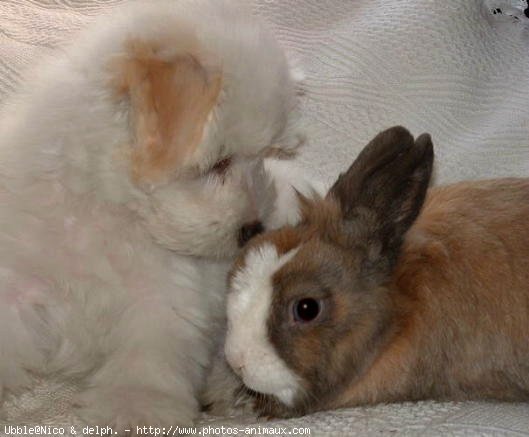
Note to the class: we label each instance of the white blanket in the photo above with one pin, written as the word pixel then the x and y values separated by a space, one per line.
pixel 435 66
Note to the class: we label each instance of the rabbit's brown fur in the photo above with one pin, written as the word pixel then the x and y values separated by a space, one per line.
pixel 461 288
pixel 423 295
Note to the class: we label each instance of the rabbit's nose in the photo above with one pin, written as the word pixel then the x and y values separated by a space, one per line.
pixel 238 371
pixel 236 363
pixel 248 231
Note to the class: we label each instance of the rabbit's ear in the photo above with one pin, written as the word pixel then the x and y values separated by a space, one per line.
pixel 386 185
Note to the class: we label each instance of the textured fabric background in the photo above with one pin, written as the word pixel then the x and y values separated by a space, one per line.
pixel 445 67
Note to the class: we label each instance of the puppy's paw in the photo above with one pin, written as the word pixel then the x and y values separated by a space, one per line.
pixel 127 410
pixel 225 394
pixel 235 402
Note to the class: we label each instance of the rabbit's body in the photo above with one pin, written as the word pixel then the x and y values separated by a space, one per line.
pixel 460 295
pixel 384 292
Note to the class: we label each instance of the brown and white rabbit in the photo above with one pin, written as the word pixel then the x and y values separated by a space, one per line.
pixel 386 291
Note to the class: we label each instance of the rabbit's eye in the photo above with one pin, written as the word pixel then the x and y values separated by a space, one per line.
pixel 306 310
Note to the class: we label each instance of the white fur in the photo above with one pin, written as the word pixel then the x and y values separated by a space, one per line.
pixel 118 284
pixel 288 179
pixel 248 349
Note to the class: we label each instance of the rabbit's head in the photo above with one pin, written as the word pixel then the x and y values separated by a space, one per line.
pixel 309 306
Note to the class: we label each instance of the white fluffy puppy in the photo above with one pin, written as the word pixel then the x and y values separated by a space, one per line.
pixel 130 172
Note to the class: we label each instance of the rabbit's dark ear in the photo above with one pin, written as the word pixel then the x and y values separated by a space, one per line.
pixel 387 183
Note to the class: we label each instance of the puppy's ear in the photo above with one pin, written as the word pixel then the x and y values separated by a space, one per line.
pixel 170 101
pixel 293 136
pixel 382 193
pixel 296 71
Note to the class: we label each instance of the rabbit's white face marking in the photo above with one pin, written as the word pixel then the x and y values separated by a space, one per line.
pixel 248 349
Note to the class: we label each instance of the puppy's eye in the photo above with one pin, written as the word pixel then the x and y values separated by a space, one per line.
pixel 221 166
pixel 306 309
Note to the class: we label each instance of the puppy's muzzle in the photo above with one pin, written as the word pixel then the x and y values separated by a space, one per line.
pixel 248 231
